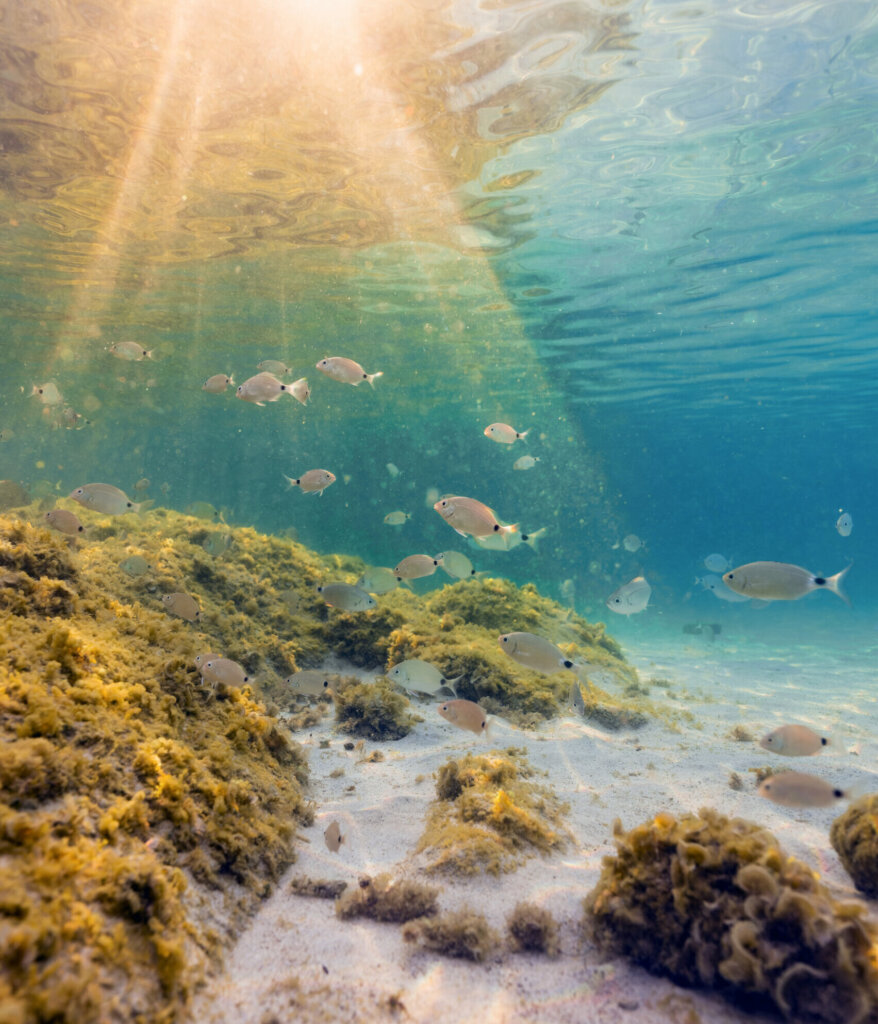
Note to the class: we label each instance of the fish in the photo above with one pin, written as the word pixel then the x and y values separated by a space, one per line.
pixel 65 522
pixel 781 581
pixel 134 565
pixel 48 394
pixel 7 434
pixel 397 518
pixel 510 541
pixel 346 597
pixel 332 837
pixel 465 714
pixel 314 480
pixel 470 517
pixel 420 676
pixel 796 789
pixel 130 351
pixel 274 366
pixel 394 471
pixel 378 580
pixel 458 566
pixel 575 699
pixel 225 671
pixel 202 659
pixel 183 605
pixel 844 524
pixel 717 563
pixel 347 371
pixel 794 741
pixel 217 384
pixel 502 433
pixel 535 652
pixel 202 510
pixel 107 499
pixel 300 391
pixel 632 543
pixel 262 388
pixel 68 419
pixel 716 586
pixel 415 567
pixel 309 681
pixel 631 597
pixel 142 484
pixel 525 462
pixel 217 543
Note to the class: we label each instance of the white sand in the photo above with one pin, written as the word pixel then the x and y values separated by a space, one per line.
pixel 297 961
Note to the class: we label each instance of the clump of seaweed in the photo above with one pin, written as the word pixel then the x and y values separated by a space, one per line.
pixel 460 933
pixel 854 837
pixel 707 900
pixel 533 929
pixel 362 638
pixel 373 710
pixel 322 888
pixel 740 734
pixel 385 899
pixel 490 815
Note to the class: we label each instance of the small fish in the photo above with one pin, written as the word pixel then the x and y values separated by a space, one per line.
pixel 217 544
pixel 333 838
pixel 311 682
pixel 717 563
pixel 796 789
pixel 142 484
pixel 844 524
pixel 575 699
pixel 631 597
pixel 346 597
pixel 217 384
pixel 274 366
pixel 183 605
pixel 394 472
pixel 458 566
pixel 780 581
pixel 7 434
pixel 315 480
pixel 262 388
pixel 378 580
pixel 68 419
pixel 130 351
pixel 300 391
pixel 794 741
pixel 525 462
pixel 415 567
pixel 465 714
pixel 534 652
pixel 202 510
pixel 502 433
pixel 397 518
pixel 470 517
pixel 225 671
pixel 65 522
pixel 420 676
pixel 107 499
pixel 632 543
pixel 134 565
pixel 346 371
pixel 48 394
pixel 716 586
pixel 202 659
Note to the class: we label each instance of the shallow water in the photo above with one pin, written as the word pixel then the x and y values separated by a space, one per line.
pixel 641 231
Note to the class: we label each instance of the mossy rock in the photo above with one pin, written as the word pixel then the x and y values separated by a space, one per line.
pixel 854 837
pixel 711 901
pixel 373 710
pixel 362 638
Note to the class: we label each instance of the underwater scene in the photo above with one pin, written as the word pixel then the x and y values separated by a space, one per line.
pixel 427 431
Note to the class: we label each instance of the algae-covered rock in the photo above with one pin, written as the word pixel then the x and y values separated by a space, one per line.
pixel 373 710
pixel 708 900
pixel 460 933
pixel 854 837
pixel 386 899
pixel 490 815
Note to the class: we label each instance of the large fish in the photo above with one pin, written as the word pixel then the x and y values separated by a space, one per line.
pixel 780 581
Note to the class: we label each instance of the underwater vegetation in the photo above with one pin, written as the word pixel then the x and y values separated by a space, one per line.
pixel 374 711
pixel 533 929
pixel 854 837
pixel 712 901
pixel 460 933
pixel 490 815
pixel 386 899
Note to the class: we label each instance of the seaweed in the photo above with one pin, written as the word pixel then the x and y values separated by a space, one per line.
pixel 532 929
pixel 385 899
pixel 461 934
pixel 854 837
pixel 373 710
pixel 321 888
pixel 711 901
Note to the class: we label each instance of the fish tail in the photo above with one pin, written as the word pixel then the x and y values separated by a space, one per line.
pixel 290 480
pixel 143 506
pixel 833 583
pixel 510 528
pixel 523 434
pixel 370 377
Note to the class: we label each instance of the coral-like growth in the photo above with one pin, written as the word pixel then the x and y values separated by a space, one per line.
pixel 711 901
pixel 490 815
pixel 532 929
pixel 384 899
pixel 373 710
pixel 460 934
pixel 854 837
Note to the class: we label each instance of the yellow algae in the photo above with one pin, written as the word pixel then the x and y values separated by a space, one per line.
pixel 373 710
pixel 459 934
pixel 489 816
pixel 387 899
pixel 854 837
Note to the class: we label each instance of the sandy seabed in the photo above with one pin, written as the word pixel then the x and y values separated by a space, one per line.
pixel 298 961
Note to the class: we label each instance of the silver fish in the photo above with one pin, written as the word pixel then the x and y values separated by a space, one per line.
pixel 262 388
pixel 575 699
pixel 225 671
pixel 844 524
pixel 535 652
pixel 397 518
pixel 502 433
pixel 415 567
pixel 134 565
pixel 378 580
pixel 107 499
pixel 465 714
pixel 715 585
pixel 794 741
pixel 525 462
pixel 346 597
pixel 780 581
pixel 130 351
pixel 458 566
pixel 470 517
pixel 310 681
pixel 315 480
pixel 217 543
pixel 420 676
pixel 274 366
pixel 631 597
pixel 217 384
pixel 48 394
pixel 346 371
pixel 65 522
pixel 183 605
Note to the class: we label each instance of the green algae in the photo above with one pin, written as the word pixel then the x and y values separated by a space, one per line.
pixel 490 815
pixel 711 901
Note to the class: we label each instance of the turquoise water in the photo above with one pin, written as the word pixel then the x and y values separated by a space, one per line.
pixel 643 231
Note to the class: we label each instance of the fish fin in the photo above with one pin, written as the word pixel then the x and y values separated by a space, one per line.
pixel 370 377
pixel 509 528
pixel 290 480
pixel 833 583
pixel 523 435
pixel 459 531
